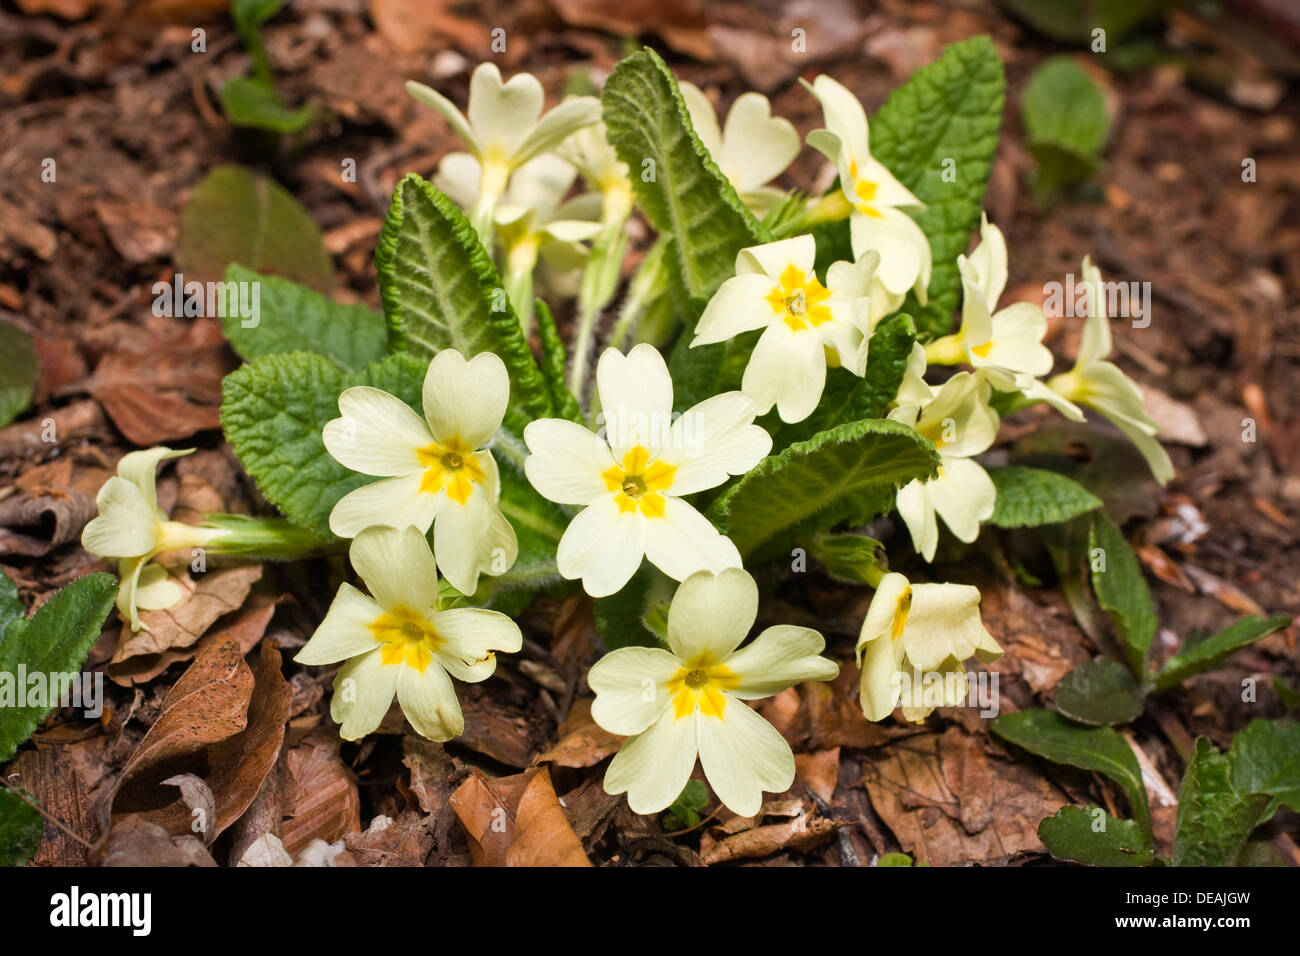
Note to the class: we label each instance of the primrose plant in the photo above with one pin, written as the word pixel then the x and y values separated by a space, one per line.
pixel 767 388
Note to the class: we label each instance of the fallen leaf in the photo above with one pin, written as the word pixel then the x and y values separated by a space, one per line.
pixel 321 798
pixel 582 742
pixel 543 836
pixel 199 799
pixel 516 821
pixel 140 843
pixel 820 770
pixel 413 25
pixel 800 833
pixel 138 230
pixel 405 841
pixel 266 850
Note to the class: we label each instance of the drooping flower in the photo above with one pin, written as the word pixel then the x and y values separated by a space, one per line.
pixel 397 641
pixel 752 148
pixel 132 529
pixel 1099 384
pixel 877 198
pixel 689 700
pixel 960 423
pixel 433 471
pixel 632 480
pixel 776 289
pixel 1005 346
pixel 505 127
pixel 915 637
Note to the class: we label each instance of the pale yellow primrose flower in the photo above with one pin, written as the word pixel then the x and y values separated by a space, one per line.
pixel 689 700
pixel 590 151
pixel 913 630
pixel 398 641
pixel 633 478
pixel 776 289
pixel 1006 346
pixel 434 471
pixel 960 423
pixel 505 127
pixel 877 198
pixel 131 528
pixel 751 149
pixel 1100 385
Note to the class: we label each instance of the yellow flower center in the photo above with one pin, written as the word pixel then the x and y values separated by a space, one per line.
pixel 452 466
pixel 700 683
pixel 799 300
pixel 900 615
pixel 866 192
pixel 983 350
pixel 639 482
pixel 406 638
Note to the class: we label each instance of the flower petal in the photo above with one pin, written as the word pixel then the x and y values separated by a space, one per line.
pixel 127 526
pixel 703 118
pixel 471 636
pixel 458 176
pixel 602 546
pixel 743 755
pixel 429 701
pixel 878 688
pixel 713 440
pixel 363 693
pixel 566 461
pixel 395 502
pixel 786 369
pixel 963 495
pixel 989 259
pixel 739 305
pixel 636 399
pixel 140 468
pixel 943 622
pixel 458 533
pixel 398 568
pixel 683 541
pixel 631 687
pixel 780 657
pixel 652 768
pixel 711 614
pixel 502 114
pixel 345 632
pixel 917 511
pixel 447 109
pixel 157 590
pixel 844 115
pixel 773 258
pixel 756 146
pixel 465 400
pixel 555 127
pixel 377 433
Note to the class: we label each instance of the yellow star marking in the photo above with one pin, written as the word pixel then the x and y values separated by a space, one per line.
pixel 450 465
pixel 700 683
pixel 638 482
pixel 799 300
pixel 406 638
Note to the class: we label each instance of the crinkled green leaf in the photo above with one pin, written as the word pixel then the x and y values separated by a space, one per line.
pixel 21 828
pixel 1266 759
pixel 18 369
pixel 948 110
pixel 552 364
pixel 1122 590
pixel 55 640
pixel 1210 652
pixel 295 318
pixel 1074 835
pixel 237 215
pixel 1101 749
pixel 273 410
pixel 1098 692
pixel 441 290
pixel 677 183
pixel 847 473
pixel 1214 817
pixel 1034 496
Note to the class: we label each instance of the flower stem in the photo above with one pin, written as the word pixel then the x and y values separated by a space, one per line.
pixel 945 351
pixel 650 279
pixel 272 539
pixel 599 280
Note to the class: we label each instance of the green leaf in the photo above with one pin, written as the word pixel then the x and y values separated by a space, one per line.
pixel 1072 835
pixel 21 828
pixel 273 410
pixel 249 15
pixel 948 110
pixel 847 473
pixel 18 368
pixel 1100 749
pixel 1214 817
pixel 237 215
pixel 440 290
pixel 1066 124
pixel 677 183
pixel 632 617
pixel 1032 496
pixel 848 398
pixel 1210 652
pixel 684 812
pixel 897 859
pixel 1120 588
pixel 1098 692
pixel 553 359
pixel 1266 759
pixel 249 102
pixel 1075 20
pixel 849 557
pixel 538 525
pixel 55 641
pixel 292 318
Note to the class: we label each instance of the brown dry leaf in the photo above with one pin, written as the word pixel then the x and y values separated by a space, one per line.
pixel 1225 592
pixel 683 24
pixel 1163 566
pixel 516 821
pixel 1042 641
pixel 582 742
pixel 820 770
pixel 217 593
pixel 798 833
pixel 169 391
pixel 821 716
pixel 500 732
pixel 321 798
pixel 406 841
pixel 413 25
pixel 139 231
pixel 50 505
pixel 140 843
pixel 947 802
pixel 198 798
